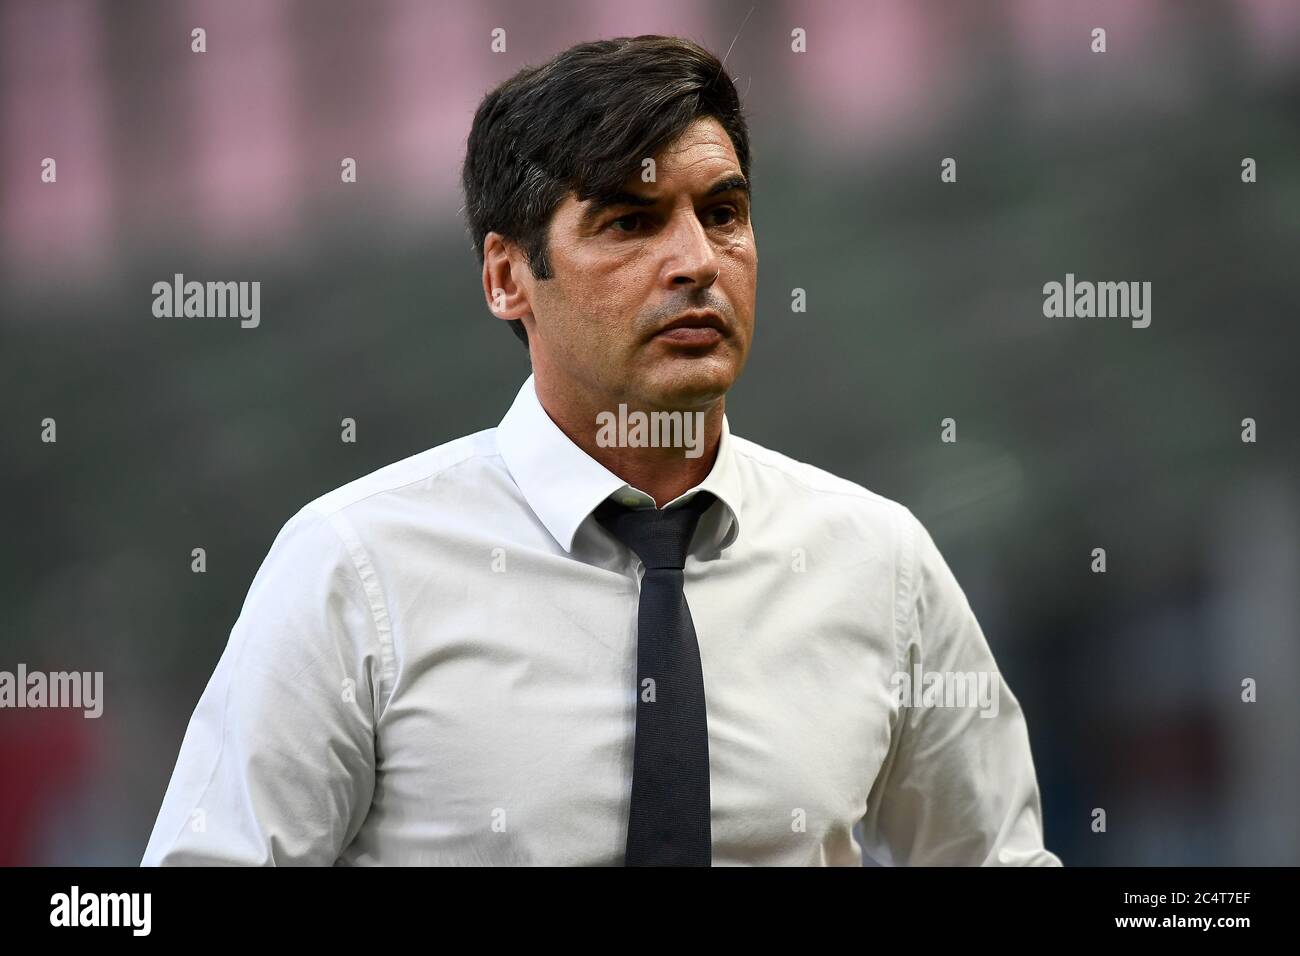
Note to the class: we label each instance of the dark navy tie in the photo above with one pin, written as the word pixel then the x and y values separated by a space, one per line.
pixel 669 820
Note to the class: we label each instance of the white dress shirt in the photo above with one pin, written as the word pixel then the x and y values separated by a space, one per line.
pixel 436 664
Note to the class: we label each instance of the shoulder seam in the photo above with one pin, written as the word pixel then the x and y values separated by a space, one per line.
pixel 858 492
pixel 378 607
pixel 471 453
pixel 906 581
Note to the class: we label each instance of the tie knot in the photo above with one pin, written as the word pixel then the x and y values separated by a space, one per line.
pixel 660 538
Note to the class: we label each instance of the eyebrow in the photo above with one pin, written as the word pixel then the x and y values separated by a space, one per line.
pixel 623 198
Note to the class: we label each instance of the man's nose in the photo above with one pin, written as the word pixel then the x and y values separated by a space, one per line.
pixel 694 258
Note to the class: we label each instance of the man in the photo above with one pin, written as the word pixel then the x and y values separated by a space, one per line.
pixel 579 639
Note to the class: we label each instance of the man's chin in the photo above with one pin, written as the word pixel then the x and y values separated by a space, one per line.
pixel 692 384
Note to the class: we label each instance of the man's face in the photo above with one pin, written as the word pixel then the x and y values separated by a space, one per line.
pixel 623 272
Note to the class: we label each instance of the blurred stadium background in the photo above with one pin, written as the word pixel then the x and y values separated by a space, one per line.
pixel 924 300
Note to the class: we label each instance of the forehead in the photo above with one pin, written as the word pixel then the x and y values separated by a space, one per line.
pixel 701 160
pixel 703 144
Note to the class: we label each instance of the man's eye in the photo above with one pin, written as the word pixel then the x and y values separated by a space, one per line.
pixel 632 216
pixel 731 214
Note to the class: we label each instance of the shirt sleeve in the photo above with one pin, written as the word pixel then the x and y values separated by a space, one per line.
pixel 277 763
pixel 957 787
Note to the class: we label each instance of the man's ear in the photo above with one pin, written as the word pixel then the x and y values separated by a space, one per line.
pixel 506 278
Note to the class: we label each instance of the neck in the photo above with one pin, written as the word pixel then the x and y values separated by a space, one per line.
pixel 663 473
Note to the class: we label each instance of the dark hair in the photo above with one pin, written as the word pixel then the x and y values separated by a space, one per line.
pixel 584 122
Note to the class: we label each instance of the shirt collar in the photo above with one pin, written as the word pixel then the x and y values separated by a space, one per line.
pixel 563 484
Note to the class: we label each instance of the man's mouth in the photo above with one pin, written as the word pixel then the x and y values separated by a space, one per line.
pixel 694 328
